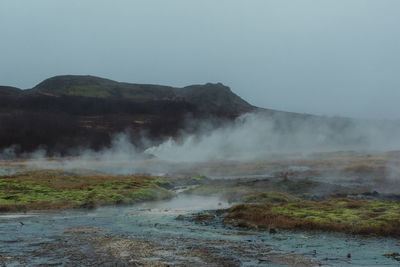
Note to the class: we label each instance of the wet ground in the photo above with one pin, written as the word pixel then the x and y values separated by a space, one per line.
pixel 169 233
pixel 154 234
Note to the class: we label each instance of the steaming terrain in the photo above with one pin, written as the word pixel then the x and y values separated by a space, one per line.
pixel 97 172
pixel 183 218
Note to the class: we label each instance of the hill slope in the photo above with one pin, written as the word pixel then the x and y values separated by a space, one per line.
pixel 207 98
pixel 8 90
pixel 65 112
pixel 91 86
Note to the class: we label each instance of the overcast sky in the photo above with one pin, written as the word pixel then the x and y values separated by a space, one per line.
pixel 339 57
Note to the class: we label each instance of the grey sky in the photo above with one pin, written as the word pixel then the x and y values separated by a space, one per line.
pixel 338 57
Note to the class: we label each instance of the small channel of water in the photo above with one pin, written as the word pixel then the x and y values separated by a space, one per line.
pixel 20 232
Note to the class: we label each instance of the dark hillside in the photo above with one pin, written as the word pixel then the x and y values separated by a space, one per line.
pixel 66 112
pixel 8 90
pixel 208 98
pixel 91 86
pixel 214 98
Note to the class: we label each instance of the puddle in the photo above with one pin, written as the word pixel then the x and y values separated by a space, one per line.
pixel 187 203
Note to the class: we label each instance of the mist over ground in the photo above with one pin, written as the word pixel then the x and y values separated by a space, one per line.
pixel 196 133
pixel 251 137
pixel 256 136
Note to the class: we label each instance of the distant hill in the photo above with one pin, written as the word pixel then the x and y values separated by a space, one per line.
pixel 91 86
pixel 65 112
pixel 209 97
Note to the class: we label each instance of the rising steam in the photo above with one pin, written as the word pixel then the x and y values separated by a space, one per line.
pixel 256 136
pixel 253 136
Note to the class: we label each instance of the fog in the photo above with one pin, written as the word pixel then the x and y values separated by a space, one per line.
pixel 319 57
pixel 251 137
pixel 256 136
pixel 333 57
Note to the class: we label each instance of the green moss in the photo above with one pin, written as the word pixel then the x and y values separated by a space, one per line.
pixel 56 189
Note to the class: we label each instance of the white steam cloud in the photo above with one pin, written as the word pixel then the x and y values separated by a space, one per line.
pixel 256 136
pixel 253 136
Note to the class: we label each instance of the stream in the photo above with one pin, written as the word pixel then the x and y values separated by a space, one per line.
pixel 150 234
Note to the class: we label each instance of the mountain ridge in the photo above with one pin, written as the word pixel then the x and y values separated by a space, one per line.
pixel 206 97
pixel 70 111
pixel 64 113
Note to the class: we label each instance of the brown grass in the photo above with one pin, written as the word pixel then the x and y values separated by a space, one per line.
pixel 341 215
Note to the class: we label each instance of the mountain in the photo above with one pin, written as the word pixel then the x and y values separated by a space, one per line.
pixel 207 98
pixel 91 86
pixel 65 112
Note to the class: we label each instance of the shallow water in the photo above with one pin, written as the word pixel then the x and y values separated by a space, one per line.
pixel 21 234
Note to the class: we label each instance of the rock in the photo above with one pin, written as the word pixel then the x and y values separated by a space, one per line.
pixel 124 254
pixel 203 217
pixel 180 217
pixel 394 256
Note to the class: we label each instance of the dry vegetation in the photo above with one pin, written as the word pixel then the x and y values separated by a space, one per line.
pixel 343 215
pixel 343 192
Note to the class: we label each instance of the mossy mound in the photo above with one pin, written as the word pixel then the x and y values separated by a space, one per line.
pixel 342 215
pixel 36 190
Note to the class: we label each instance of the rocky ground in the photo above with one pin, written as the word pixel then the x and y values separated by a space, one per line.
pixel 89 246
